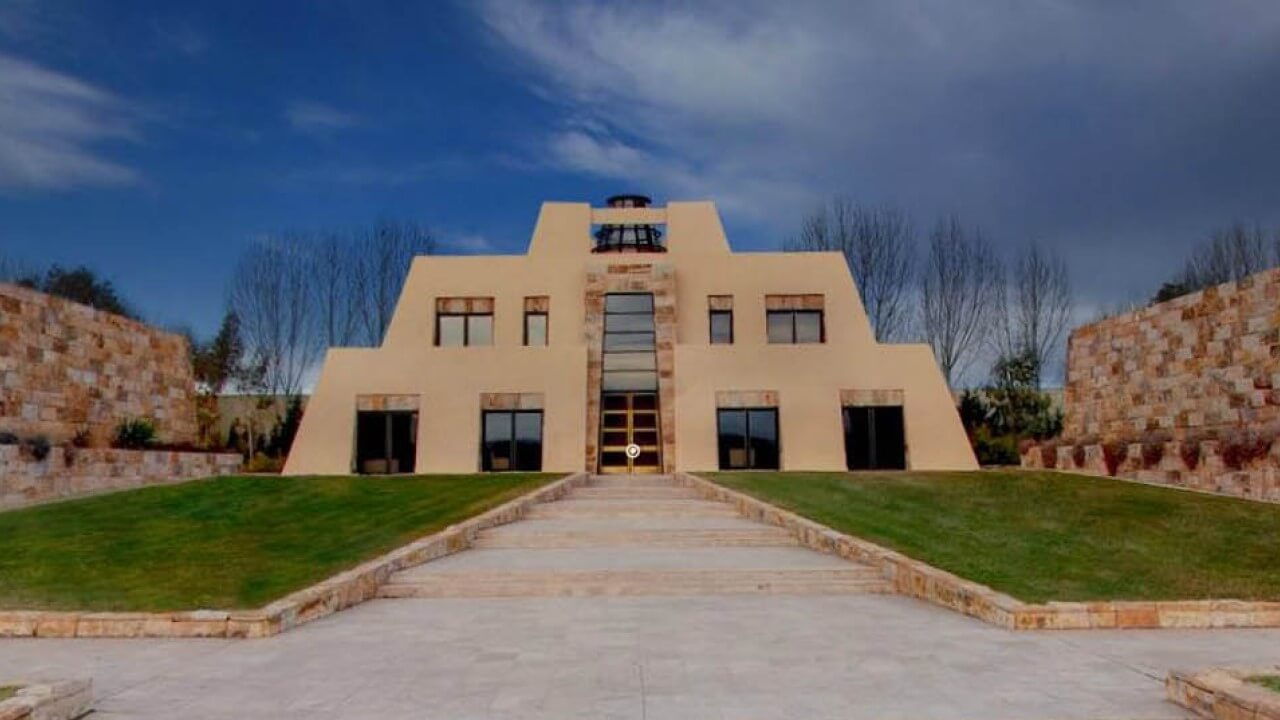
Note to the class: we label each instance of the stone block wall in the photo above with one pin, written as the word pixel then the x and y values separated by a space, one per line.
pixel 65 367
pixel 1192 367
pixel 72 472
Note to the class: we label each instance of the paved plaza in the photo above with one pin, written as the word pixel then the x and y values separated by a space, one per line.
pixel 641 603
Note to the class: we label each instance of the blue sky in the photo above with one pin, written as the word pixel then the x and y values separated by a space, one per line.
pixel 154 140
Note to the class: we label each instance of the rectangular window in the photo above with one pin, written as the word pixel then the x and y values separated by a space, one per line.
pixel 535 328
pixel 721 327
pixel 874 438
pixel 512 440
pixel 464 329
pixel 386 442
pixel 630 341
pixel 748 439
pixel 789 327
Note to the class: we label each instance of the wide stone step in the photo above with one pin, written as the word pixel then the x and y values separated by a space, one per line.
pixel 632 508
pixel 658 538
pixel 582 583
pixel 632 481
pixel 639 492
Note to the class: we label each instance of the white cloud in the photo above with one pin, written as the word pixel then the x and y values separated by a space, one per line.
pixel 468 244
pixel 317 118
pixel 50 126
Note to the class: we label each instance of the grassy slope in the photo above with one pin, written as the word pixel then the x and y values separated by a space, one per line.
pixel 1047 536
pixel 1270 682
pixel 235 542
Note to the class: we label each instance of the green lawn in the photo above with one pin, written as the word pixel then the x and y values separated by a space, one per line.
pixel 1042 536
pixel 1270 682
pixel 8 691
pixel 234 542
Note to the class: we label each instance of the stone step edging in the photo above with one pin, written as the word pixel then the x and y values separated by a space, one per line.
pixel 1223 694
pixel 339 592
pixel 920 580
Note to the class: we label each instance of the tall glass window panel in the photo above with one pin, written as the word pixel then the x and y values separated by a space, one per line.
pixel 762 428
pixel 721 327
pixel 808 326
pixel 479 329
pixel 528 441
pixel 628 342
pixel 498 446
pixel 780 327
pixel 732 429
pixel 451 330
pixel 535 329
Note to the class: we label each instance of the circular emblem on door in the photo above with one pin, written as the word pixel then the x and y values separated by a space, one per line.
pixel 633 451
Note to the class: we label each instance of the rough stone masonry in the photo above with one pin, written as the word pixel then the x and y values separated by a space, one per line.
pixel 66 367
pixel 1196 366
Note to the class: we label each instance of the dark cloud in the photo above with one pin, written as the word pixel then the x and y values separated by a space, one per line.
pixel 1120 133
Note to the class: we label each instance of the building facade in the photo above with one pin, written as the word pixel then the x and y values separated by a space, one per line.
pixel 629 338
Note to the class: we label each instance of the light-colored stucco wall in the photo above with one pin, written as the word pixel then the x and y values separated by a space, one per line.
pixel 807 378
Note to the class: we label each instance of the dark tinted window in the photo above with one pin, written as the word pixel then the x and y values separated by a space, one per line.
pixel 511 440
pixel 748 439
pixel 386 442
pixel 874 438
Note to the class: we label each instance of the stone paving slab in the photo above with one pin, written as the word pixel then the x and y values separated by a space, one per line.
pixel 709 558
pixel 725 657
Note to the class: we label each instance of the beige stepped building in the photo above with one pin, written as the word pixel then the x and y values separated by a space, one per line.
pixel 629 338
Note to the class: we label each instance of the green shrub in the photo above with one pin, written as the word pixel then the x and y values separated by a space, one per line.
pixel 39 447
pixel 134 434
pixel 995 450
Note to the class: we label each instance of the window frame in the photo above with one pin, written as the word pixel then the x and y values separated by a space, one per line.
pixel 746 434
pixel 466 328
pixel 546 327
pixel 514 444
pixel 711 326
pixel 822 326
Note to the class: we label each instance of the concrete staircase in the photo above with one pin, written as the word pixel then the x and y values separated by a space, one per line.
pixel 642 535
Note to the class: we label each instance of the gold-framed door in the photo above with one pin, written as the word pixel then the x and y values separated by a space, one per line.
pixel 630 419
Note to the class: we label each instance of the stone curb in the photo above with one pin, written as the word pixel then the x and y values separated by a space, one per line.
pixel 1222 693
pixel 916 579
pixel 339 592
pixel 63 700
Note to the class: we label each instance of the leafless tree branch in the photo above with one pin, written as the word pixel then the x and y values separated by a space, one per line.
pixel 960 290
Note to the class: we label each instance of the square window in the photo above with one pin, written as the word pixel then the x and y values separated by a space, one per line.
pixel 748 439
pixel 511 440
pixel 780 327
pixel 451 330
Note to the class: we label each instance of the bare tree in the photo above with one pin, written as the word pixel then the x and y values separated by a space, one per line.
pixel 271 293
pixel 878 244
pixel 961 286
pixel 334 270
pixel 386 253
pixel 1229 254
pixel 1037 308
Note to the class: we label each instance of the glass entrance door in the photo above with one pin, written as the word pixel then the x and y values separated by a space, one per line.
pixel 629 437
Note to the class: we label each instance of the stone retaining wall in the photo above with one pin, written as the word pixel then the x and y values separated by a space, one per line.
pixel 70 472
pixel 920 580
pixel 1191 367
pixel 63 700
pixel 65 367
pixel 1191 465
pixel 342 591
pixel 1224 694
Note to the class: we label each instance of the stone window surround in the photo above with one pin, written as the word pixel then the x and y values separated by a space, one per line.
pixel 620 277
